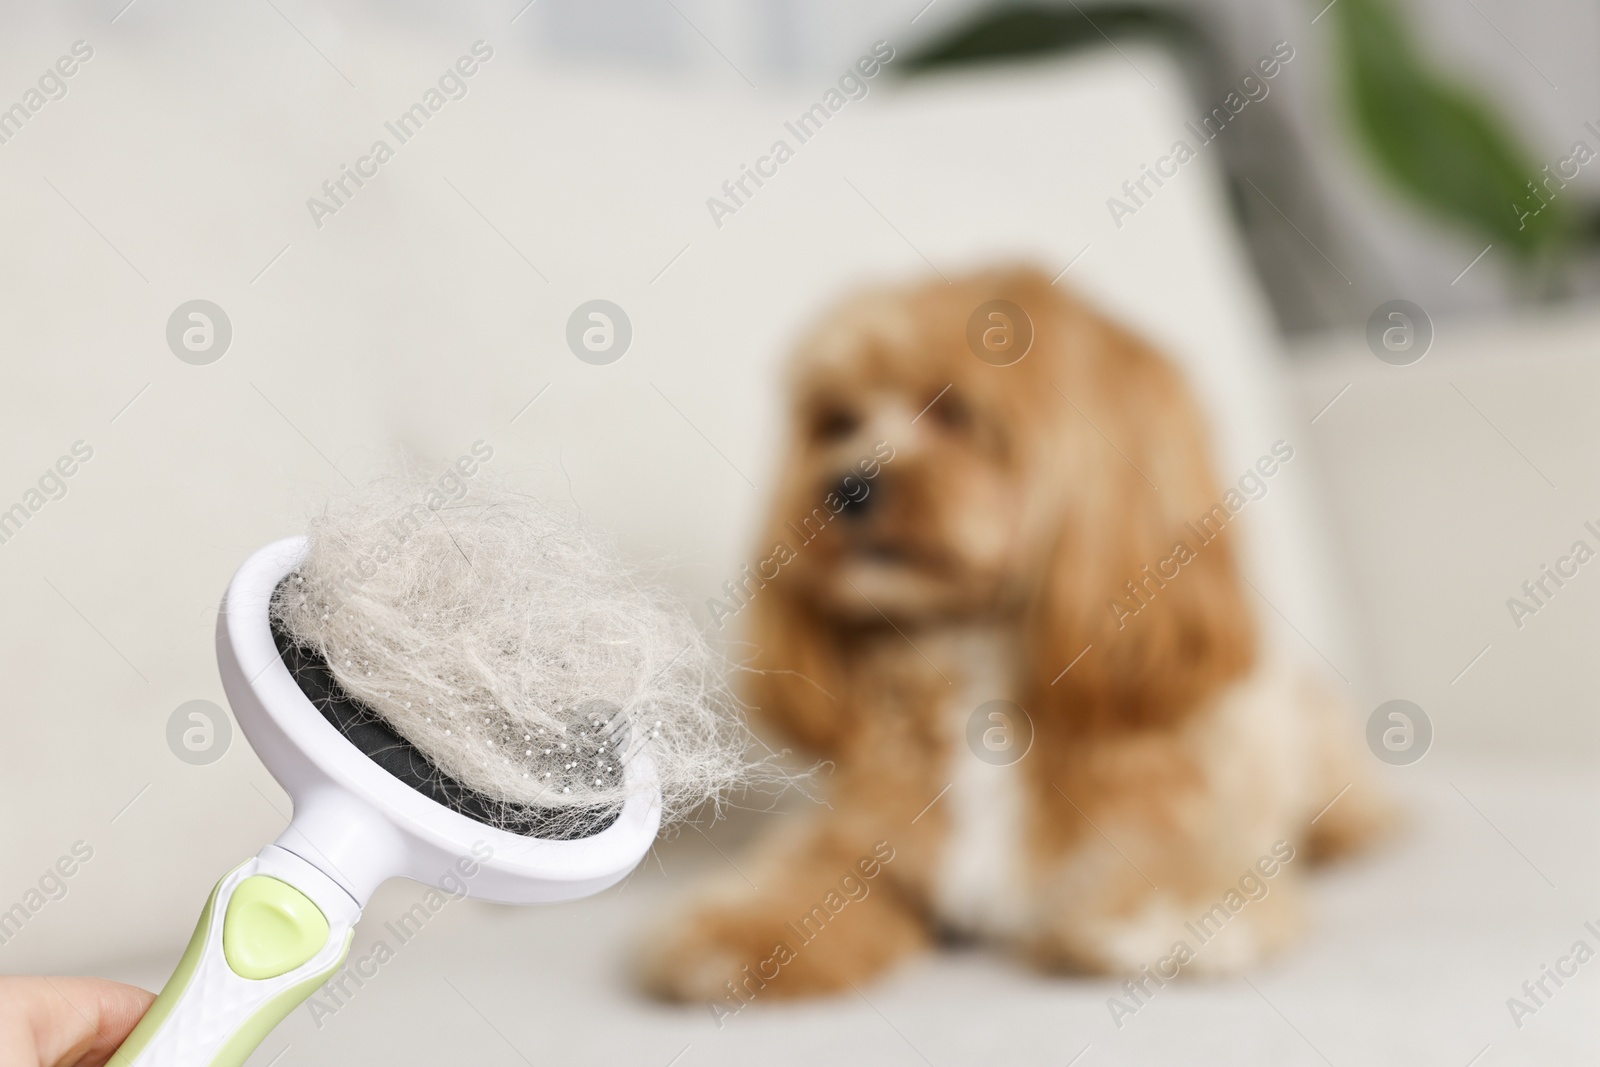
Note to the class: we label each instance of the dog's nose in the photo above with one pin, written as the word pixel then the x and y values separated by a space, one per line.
pixel 863 500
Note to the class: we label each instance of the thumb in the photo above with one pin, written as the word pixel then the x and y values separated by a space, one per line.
pixel 71 1022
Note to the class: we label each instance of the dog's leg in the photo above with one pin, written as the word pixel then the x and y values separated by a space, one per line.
pixel 824 910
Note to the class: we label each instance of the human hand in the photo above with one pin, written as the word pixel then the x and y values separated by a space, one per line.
pixel 66 1022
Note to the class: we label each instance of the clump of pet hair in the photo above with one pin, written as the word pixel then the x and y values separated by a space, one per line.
pixel 515 650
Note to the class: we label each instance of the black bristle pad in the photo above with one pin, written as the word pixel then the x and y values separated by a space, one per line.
pixel 369 733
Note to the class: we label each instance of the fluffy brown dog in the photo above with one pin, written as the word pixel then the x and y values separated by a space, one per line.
pixel 951 532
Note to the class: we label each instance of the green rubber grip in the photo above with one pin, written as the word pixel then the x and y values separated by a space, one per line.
pixel 269 929
pixel 171 992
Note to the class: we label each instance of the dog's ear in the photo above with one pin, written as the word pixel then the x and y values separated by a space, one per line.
pixel 1140 595
pixel 793 680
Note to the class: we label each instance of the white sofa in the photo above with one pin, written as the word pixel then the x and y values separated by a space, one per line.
pixel 428 311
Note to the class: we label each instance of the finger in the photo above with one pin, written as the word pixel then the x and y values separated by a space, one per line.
pixel 80 1022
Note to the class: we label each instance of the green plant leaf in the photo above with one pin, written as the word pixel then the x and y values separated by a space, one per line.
pixel 1437 142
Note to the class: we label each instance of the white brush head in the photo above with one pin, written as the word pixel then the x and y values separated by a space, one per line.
pixel 359 823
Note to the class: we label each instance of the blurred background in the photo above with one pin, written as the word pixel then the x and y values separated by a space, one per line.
pixel 1437 154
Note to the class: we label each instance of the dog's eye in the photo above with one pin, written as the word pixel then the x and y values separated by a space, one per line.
pixel 833 424
pixel 951 412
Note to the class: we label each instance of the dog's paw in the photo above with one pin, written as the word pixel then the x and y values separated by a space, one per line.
pixel 705 954
pixel 738 952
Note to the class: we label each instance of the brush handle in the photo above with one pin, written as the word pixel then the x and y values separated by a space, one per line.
pixel 275 929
